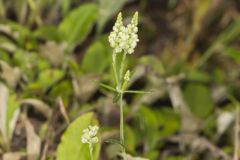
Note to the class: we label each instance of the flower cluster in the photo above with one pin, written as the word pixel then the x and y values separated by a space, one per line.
pixel 127 76
pixel 124 38
pixel 90 135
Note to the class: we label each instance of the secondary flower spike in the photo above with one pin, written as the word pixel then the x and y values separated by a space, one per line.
pixel 124 39
pixel 90 135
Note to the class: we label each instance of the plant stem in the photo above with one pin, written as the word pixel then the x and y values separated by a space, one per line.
pixel 91 151
pixel 122 126
pixel 114 68
pixel 122 66
pixel 121 120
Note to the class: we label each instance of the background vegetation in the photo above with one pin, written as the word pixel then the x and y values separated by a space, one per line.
pixel 54 54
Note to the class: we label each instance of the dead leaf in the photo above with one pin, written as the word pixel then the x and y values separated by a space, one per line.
pixel 3 110
pixel 9 74
pixel 63 110
pixel 53 52
pixel 14 155
pixel 189 122
pixel 85 86
pixel 39 106
pixel 33 141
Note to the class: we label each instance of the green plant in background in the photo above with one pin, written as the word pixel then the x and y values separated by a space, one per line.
pixel 90 136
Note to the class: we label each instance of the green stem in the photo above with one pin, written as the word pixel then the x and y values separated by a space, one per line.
pixel 91 151
pixel 121 120
pixel 114 68
pixel 122 126
pixel 122 66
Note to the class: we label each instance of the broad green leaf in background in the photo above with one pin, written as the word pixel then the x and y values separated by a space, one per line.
pixel 47 32
pixel 169 122
pixel 71 147
pixel 147 132
pixel 78 23
pixel 63 89
pixel 130 142
pixel 46 78
pixel 107 8
pixel 197 75
pixel 199 99
pixel 96 58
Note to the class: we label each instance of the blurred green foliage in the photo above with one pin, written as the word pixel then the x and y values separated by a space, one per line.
pixel 188 58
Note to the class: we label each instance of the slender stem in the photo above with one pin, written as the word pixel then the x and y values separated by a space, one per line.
pixel 115 68
pixel 122 126
pixel 121 120
pixel 122 65
pixel 91 150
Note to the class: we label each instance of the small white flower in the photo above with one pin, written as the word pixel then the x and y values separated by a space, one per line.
pixel 127 76
pixel 124 38
pixel 90 135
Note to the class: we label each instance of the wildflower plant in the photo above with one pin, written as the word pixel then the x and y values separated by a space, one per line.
pixel 90 137
pixel 123 40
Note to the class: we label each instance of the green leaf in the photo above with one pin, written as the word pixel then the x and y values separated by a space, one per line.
pixel 46 78
pixel 95 60
pixel 107 8
pixel 233 53
pixel 169 122
pixel 130 142
pixel 78 23
pixel 71 147
pixel 63 89
pixel 12 113
pixel 197 75
pixel 47 32
pixel 199 99
pixel 148 121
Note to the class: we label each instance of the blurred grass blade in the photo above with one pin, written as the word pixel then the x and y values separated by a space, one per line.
pixel 230 34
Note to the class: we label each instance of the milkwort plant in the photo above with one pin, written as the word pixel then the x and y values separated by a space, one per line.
pixel 123 40
pixel 90 137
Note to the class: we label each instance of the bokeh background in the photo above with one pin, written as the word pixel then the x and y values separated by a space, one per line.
pixel 54 56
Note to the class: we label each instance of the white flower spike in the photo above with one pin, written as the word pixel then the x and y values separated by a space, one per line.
pixel 124 39
pixel 90 135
